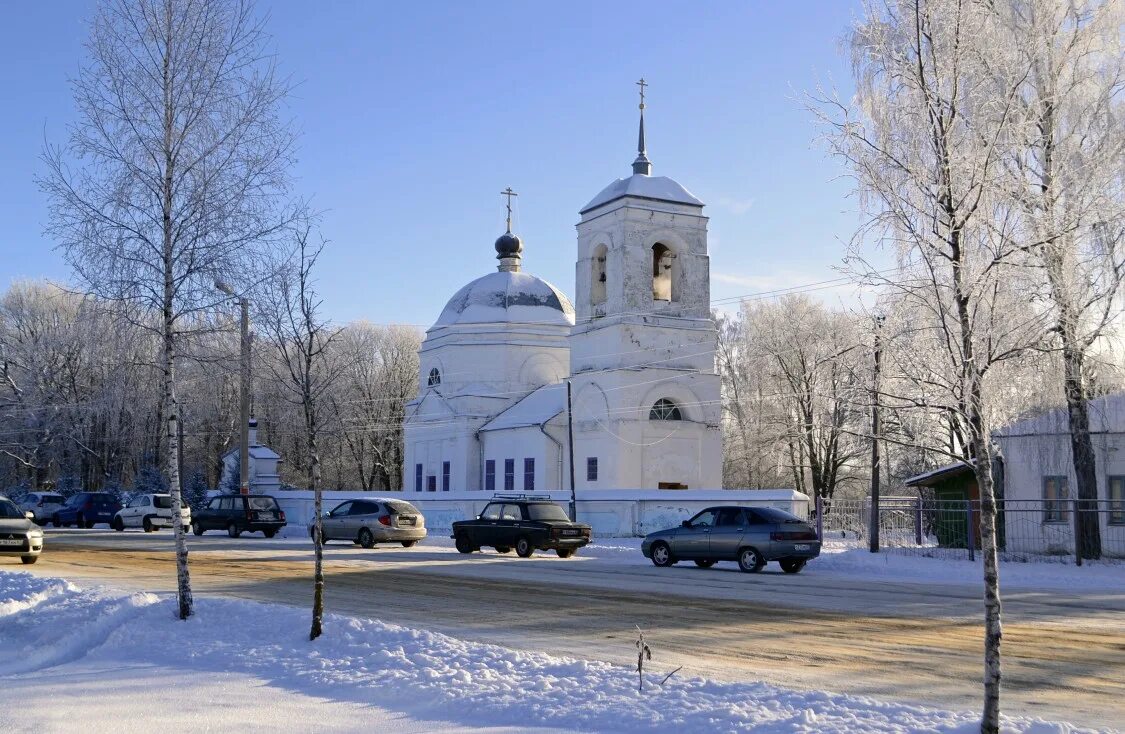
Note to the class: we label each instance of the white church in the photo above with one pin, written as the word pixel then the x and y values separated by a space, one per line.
pixel 637 349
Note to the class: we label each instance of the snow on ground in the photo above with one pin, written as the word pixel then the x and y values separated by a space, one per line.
pixel 245 664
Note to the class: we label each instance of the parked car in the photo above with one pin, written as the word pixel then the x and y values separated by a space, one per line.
pixel 524 522
pixel 41 505
pixel 240 513
pixel 150 512
pixel 367 522
pixel 87 509
pixel 751 536
pixel 19 536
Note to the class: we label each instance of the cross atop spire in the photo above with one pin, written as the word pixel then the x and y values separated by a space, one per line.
pixel 642 165
pixel 509 193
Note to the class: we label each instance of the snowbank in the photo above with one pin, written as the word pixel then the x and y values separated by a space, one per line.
pixel 48 622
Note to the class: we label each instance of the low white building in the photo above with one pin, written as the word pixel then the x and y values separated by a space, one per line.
pixel 638 354
pixel 264 477
pixel 1039 478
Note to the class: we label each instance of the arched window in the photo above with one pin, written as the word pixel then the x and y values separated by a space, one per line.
pixel 665 410
pixel 663 282
pixel 434 378
pixel 598 275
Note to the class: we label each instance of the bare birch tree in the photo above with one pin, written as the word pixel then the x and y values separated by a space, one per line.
pixel 173 175
pixel 1065 163
pixel 923 140
pixel 301 340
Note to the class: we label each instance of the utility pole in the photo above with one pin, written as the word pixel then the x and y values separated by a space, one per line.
pixel 570 450
pixel 876 429
pixel 244 387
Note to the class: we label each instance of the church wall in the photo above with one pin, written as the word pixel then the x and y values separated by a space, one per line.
pixel 518 444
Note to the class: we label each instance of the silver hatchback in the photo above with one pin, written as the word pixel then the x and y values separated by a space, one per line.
pixel 750 536
pixel 367 522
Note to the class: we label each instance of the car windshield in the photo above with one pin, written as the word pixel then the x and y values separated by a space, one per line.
pixel 164 502
pixel 76 499
pixel 403 508
pixel 262 503
pixel 772 514
pixel 9 510
pixel 546 512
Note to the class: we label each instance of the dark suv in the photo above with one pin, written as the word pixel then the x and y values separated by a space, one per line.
pixel 238 514
pixel 87 508
pixel 524 522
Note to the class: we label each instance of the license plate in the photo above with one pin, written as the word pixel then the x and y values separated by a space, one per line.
pixel 570 532
pixel 801 546
pixel 406 521
pixel 10 541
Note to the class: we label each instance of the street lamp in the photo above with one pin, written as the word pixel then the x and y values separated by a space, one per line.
pixel 244 388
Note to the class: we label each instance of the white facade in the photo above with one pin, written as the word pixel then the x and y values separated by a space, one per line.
pixel 1037 451
pixel 491 409
pixel 264 477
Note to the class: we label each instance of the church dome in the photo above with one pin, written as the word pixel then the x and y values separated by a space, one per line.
pixel 508 245
pixel 508 297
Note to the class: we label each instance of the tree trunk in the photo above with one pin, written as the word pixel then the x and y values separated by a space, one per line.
pixel 318 533
pixel 1089 540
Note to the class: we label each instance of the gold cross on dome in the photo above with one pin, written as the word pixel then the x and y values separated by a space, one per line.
pixel 642 84
pixel 509 193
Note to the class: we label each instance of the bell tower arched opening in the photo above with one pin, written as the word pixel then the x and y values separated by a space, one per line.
pixel 598 275
pixel 664 281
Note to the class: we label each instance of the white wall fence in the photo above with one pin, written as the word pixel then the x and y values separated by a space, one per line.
pixel 611 513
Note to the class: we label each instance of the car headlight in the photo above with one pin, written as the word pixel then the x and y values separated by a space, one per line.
pixel 35 533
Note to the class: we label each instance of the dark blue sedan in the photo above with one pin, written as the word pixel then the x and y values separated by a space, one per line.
pixel 86 509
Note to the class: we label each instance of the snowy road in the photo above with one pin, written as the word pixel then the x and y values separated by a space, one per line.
pixel 843 630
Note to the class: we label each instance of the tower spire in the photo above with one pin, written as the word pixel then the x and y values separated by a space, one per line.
pixel 642 165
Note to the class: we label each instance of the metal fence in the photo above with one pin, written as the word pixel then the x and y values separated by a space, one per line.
pixel 1067 530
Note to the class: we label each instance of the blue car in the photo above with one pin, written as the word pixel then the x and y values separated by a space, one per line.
pixel 749 536
pixel 86 509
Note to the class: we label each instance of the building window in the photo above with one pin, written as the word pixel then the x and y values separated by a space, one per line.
pixel 509 475
pixel 529 475
pixel 434 378
pixel 1055 496
pixel 1116 492
pixel 417 477
pixel 445 476
pixel 665 410
pixel 591 468
pixel 490 475
pixel 431 483
pixel 663 281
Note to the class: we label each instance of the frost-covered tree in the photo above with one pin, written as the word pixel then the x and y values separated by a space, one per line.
pixel 173 175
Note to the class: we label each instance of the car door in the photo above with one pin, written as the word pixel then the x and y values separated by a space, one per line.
pixel 211 516
pixel 758 532
pixel 694 541
pixel 142 508
pixel 484 530
pixel 726 536
pixel 510 525
pixel 333 522
pixel 364 514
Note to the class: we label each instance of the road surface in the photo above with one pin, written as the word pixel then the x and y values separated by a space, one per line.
pixel 1064 652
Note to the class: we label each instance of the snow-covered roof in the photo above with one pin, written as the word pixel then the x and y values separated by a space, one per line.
pixel 927 478
pixel 257 451
pixel 659 188
pixel 508 296
pixel 535 409
pixel 1107 415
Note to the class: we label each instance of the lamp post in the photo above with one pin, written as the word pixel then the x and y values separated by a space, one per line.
pixel 244 387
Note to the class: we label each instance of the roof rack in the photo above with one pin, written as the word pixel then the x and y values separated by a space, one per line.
pixel 504 496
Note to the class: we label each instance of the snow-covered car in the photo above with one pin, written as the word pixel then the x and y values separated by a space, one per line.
pixel 19 536
pixel 41 505
pixel 149 512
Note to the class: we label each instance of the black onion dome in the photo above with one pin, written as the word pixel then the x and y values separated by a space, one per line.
pixel 508 245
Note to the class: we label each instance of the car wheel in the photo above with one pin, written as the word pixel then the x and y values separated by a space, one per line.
pixel 565 552
pixel 79 521
pixel 662 555
pixel 233 531
pixel 750 560
pixel 704 564
pixel 793 565
pixel 271 533
pixel 523 548
pixel 118 524
pixel 461 542
pixel 409 543
pixel 147 525
pixel 28 560
pixel 503 549
pixel 55 521
pixel 197 528
pixel 366 539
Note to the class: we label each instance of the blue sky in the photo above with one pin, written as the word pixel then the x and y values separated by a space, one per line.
pixel 414 116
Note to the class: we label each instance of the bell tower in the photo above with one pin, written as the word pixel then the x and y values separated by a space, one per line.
pixel 646 394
